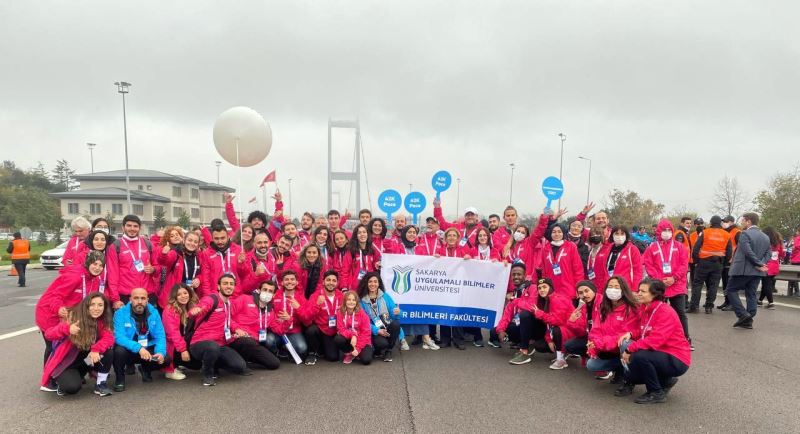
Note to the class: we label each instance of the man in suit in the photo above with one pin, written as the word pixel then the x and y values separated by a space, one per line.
pixel 749 265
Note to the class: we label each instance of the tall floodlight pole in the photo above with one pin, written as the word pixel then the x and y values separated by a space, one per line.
pixel 122 88
pixel 91 153
pixel 290 198
pixel 511 185
pixel 458 195
pixel 589 183
pixel 561 165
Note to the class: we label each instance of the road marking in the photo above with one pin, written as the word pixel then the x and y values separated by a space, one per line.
pixel 18 333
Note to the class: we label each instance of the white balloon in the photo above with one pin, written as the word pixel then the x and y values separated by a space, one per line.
pixel 245 126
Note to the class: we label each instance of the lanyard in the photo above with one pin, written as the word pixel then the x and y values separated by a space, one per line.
pixel 130 252
pixel 262 319
pixel 470 234
pixel 660 253
pixel 646 326
pixel 291 309
pixel 227 308
pixel 484 254
pixel 83 285
pixel 194 271
pixel 378 247
pixel 335 306
pixel 447 252
pixel 362 261
pixel 558 260
pixel 428 247
pixel 323 251
pixel 352 321
pixel 593 259
pixel 222 262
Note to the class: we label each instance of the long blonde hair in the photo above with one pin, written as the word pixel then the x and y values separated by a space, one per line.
pixel 87 336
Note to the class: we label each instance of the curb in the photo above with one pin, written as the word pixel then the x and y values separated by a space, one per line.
pixel 30 267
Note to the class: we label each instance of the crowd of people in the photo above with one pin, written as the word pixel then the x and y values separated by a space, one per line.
pixel 271 290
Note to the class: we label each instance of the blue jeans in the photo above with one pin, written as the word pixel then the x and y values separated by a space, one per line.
pixel 615 364
pixel 297 340
pixel 749 284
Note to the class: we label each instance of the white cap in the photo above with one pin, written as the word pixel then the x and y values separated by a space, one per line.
pixel 471 209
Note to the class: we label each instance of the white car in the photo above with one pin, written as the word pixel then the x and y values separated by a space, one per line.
pixel 51 259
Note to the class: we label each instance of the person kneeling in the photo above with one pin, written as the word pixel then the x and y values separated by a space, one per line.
pixel 581 321
pixel 321 309
pixel 554 310
pixel 84 344
pixel 659 352
pixel 250 319
pixel 139 339
pixel 353 332
pixel 518 322
pixel 287 318
pixel 383 314
pixel 618 314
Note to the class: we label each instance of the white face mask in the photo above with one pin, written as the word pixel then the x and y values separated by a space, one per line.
pixel 666 235
pixel 614 294
pixel 557 243
pixel 104 230
pixel 519 236
pixel 265 297
pixel 726 225
pixel 619 239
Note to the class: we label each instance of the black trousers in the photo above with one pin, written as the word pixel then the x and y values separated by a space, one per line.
pixel 253 352
pixel 321 344
pixel 344 346
pixel 654 369
pixel 475 332
pixel 123 357
pixel 20 266
pixel 678 303
pixel 48 348
pixel 212 355
pixel 767 288
pixel 381 343
pixel 451 334
pixel 577 346
pixel 707 272
pixel 529 329
pixel 71 379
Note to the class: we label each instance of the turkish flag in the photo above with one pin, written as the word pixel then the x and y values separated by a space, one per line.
pixel 269 178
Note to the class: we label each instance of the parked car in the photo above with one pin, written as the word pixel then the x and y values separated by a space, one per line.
pixel 51 259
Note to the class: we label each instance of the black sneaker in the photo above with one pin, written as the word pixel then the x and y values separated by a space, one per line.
pixel 722 306
pixel 652 398
pixel 745 322
pixel 119 385
pixel 770 306
pixel 478 344
pixel 709 310
pixel 209 381
pixel 459 345
pixel 727 308
pixel 625 389
pixel 147 376
pixel 760 303
pixel 692 310
pixel 387 356
pixel 494 344
pixel 59 392
pixel 618 377
pixel 311 360
pixel 102 389
pixel 51 386
pixel 670 384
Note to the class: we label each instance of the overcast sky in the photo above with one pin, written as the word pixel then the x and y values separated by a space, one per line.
pixel 665 97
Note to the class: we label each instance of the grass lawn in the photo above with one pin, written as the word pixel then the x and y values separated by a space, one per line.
pixel 36 250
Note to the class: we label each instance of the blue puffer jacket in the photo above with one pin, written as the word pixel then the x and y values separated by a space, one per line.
pixel 385 305
pixel 125 332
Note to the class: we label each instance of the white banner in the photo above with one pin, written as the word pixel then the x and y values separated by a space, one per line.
pixel 446 291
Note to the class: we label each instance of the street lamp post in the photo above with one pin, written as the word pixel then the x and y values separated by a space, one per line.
pixel 511 185
pixel 91 153
pixel 589 184
pixel 290 198
pixel 561 164
pixel 218 163
pixel 458 195
pixel 122 88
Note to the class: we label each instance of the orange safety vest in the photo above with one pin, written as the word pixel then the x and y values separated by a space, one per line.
pixel 22 249
pixel 735 230
pixel 685 241
pixel 715 243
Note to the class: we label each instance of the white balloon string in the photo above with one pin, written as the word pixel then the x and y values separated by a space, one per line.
pixel 239 187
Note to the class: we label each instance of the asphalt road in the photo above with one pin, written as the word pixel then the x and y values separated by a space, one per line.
pixel 740 381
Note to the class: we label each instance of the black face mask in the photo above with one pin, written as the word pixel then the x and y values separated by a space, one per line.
pixel 596 239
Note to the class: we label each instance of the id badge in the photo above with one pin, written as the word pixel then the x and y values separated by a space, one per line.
pixel 463 242
pixel 102 287
pixel 188 282
pixel 227 334
pixel 331 321
pixel 88 361
pixel 262 335
pixel 516 319
pixel 361 274
pixel 591 275
pixel 774 256
pixel 379 324
pixel 138 265
pixel 142 341
pixel 666 268
pixel 556 269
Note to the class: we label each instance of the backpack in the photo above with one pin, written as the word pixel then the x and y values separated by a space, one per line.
pixel 192 324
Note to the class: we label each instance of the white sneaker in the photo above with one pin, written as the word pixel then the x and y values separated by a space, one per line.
pixel 404 345
pixel 559 364
pixel 430 345
pixel 175 375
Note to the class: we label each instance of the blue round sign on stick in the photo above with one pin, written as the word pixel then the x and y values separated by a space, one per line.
pixel 441 182
pixel 390 201
pixel 553 189
pixel 415 204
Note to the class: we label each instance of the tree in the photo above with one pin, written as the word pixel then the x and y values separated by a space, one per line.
pixel 159 219
pixel 628 208
pixel 110 218
pixel 62 175
pixel 21 206
pixel 42 239
pixel 779 203
pixel 676 214
pixel 183 220
pixel 729 198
